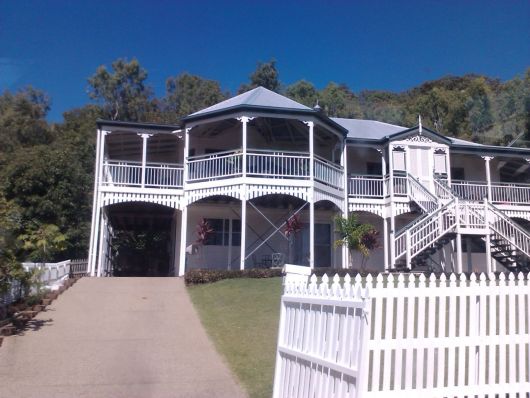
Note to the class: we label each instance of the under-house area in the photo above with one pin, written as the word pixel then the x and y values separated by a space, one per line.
pixel 140 240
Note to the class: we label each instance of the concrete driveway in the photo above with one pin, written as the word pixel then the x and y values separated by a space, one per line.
pixel 116 337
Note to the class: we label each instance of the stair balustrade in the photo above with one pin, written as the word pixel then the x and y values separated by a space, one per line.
pixel 421 195
pixel 421 235
pixel 504 228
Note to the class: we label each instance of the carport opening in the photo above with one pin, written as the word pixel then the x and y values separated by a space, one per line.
pixel 144 237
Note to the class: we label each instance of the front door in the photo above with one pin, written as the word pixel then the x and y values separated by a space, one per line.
pixel 421 164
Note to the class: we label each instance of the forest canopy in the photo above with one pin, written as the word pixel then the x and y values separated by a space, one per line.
pixel 46 169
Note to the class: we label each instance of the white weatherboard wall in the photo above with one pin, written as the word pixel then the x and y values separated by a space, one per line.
pixel 405 336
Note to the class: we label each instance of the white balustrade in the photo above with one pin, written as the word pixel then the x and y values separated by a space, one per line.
pixel 400 185
pixel 215 166
pixel 129 174
pixel 271 164
pixel 501 192
pixel 328 173
pixel 365 186
pixel 470 190
pixel 510 193
pixel 263 164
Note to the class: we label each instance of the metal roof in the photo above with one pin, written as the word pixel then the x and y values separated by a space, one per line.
pixel 368 129
pixel 259 97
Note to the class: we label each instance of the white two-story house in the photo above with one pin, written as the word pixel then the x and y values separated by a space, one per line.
pixel 257 180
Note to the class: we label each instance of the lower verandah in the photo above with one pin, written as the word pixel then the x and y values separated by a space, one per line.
pixel 267 243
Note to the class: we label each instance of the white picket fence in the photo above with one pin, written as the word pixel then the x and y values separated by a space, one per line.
pixel 405 336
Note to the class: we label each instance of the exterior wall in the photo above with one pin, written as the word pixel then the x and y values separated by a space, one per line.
pixel 223 257
pixel 376 260
pixel 358 157
pixel 228 140
pixel 475 167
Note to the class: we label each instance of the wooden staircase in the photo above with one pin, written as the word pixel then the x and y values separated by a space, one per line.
pixel 418 241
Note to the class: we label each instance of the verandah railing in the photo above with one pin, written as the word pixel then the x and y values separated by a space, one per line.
pixel 263 164
pixel 131 174
pixel 501 192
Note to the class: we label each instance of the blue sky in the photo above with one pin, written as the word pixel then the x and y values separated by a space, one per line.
pixel 391 45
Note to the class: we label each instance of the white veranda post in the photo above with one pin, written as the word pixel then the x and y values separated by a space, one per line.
pixel 487 160
pixel 344 164
pixel 144 155
pixel 488 174
pixel 244 120
pixel 184 216
pixel 96 209
pixel 385 225
pixel 311 196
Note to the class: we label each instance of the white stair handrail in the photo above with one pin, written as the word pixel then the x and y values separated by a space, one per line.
pixel 421 195
pixel 507 229
pixel 426 232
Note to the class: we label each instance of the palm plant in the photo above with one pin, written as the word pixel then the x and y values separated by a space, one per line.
pixel 356 236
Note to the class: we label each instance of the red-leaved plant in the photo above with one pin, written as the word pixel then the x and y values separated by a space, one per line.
pixel 292 225
pixel 204 230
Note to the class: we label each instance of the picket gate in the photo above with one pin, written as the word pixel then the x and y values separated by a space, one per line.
pixel 405 336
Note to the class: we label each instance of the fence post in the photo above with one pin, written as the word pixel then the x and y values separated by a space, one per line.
pixel 364 359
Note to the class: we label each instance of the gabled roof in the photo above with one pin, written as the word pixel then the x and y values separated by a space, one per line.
pixel 258 97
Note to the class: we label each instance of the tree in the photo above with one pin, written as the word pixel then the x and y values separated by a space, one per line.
pixel 479 107
pixel 266 75
pixel 339 101
pixel 50 186
pixel 122 92
pixel 187 93
pixel 303 92
pixel 23 119
pixel 43 241
pixel 356 236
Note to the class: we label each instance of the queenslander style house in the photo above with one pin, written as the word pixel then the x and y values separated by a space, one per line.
pixel 258 179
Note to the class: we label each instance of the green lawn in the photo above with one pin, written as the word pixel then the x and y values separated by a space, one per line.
pixel 241 316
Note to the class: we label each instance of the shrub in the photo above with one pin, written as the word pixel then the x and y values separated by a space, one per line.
pixel 200 276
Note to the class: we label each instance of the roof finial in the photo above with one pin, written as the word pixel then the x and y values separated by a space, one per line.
pixel 317 107
pixel 419 123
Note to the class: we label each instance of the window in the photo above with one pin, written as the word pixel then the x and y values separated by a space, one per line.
pixel 398 157
pixel 221 232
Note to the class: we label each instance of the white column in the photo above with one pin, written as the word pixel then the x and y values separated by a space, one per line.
pixel 311 196
pixel 95 205
pixel 97 232
pixel 469 254
pixel 385 224
pixel 488 174
pixel 186 151
pixel 244 120
pixel 385 243
pixel 144 155
pixel 311 231
pixel 183 233
pixel 459 253
pixel 489 259
pixel 243 252
pixel 102 239
pixel 392 235
pixel 96 210
pixel 345 210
